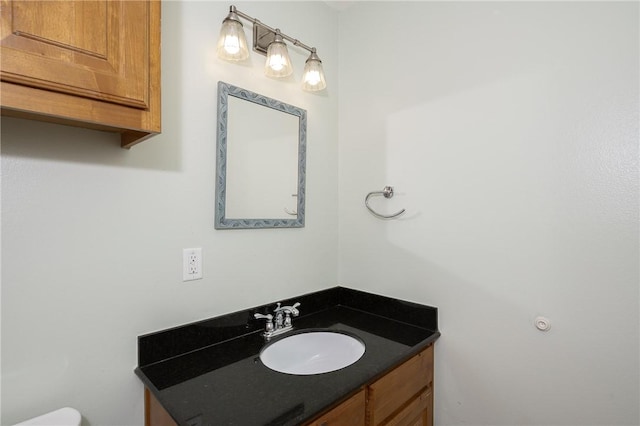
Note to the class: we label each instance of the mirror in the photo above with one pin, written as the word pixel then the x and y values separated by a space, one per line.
pixel 260 167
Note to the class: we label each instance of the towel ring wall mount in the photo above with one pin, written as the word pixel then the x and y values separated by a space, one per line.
pixel 387 192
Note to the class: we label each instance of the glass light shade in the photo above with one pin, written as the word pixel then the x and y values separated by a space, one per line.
pixel 313 75
pixel 232 44
pixel 278 63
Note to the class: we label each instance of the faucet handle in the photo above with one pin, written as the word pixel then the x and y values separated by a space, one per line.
pixel 268 317
pixel 294 311
pixel 289 309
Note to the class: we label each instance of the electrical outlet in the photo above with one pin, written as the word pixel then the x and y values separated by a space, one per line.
pixel 191 264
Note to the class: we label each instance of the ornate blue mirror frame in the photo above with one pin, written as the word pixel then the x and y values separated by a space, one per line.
pixel 226 90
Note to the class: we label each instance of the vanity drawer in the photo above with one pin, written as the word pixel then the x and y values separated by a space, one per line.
pixel 349 413
pixel 399 387
pixel 417 413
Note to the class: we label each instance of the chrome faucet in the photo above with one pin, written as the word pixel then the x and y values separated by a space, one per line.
pixel 282 322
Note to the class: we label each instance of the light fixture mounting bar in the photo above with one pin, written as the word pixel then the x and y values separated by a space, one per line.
pixel 263 35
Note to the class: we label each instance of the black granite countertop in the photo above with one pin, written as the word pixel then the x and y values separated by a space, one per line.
pixel 210 373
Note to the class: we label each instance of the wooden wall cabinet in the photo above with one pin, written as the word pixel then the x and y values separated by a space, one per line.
pixel 92 64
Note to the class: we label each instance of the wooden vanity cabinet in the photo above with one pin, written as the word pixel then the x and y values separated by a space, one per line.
pixel 402 397
pixel 92 64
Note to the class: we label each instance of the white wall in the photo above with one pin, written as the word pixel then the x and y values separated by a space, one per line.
pixel 92 235
pixel 510 133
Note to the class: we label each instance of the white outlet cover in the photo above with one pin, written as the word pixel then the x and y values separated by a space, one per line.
pixel 191 264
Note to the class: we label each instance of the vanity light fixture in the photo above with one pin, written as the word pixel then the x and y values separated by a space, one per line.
pixel 232 46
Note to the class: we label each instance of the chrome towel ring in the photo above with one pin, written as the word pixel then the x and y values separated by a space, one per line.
pixel 387 191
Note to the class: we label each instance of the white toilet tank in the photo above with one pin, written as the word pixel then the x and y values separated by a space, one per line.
pixel 63 417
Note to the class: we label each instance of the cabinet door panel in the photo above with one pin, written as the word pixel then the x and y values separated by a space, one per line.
pixel 82 48
pixel 63 24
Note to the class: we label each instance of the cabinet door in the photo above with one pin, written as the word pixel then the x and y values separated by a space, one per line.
pixel 83 48
pixel 349 413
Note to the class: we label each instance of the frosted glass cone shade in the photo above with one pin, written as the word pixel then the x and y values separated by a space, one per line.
pixel 278 64
pixel 232 44
pixel 313 76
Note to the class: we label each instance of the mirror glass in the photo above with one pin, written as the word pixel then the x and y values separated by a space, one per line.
pixel 261 151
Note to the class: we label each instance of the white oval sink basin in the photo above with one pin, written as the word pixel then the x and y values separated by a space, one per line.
pixel 314 352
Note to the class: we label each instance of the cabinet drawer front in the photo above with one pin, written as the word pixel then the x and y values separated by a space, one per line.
pixel 392 391
pixel 417 413
pixel 349 413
